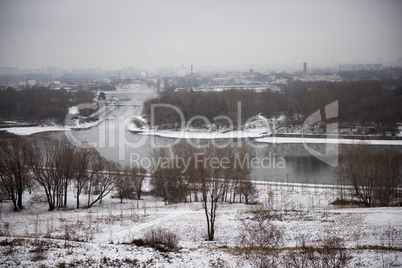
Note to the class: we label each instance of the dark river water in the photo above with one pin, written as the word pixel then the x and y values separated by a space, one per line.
pixel 272 162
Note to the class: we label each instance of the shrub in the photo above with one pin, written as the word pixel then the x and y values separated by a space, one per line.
pixel 260 238
pixel 331 253
pixel 160 239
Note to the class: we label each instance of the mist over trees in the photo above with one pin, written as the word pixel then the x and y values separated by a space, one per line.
pixel 374 104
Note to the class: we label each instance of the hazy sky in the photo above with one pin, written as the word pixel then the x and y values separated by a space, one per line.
pixel 149 34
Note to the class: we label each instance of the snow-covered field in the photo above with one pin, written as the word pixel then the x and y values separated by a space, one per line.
pixel 103 235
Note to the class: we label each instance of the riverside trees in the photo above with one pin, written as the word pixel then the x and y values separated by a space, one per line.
pixel 374 173
pixel 56 165
pixel 14 169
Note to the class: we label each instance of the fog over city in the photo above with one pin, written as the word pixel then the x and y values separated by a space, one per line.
pixel 152 34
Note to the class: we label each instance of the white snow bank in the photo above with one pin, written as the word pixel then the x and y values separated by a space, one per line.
pixel 25 131
pixel 244 134
pixel 76 124
pixel 134 128
pixel 327 141
pixel 73 110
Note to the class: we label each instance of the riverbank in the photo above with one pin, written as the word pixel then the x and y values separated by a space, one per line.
pixel 36 129
pixel 261 136
pixel 257 135
pixel 75 124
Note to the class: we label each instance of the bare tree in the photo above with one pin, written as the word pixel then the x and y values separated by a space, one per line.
pixel 64 156
pixel 85 168
pixel 96 166
pixel 105 180
pixel 185 155
pixel 44 168
pixel 138 176
pixel 248 190
pixel 213 185
pixel 160 175
pixel 14 168
pixel 129 183
pixel 124 184
pixel 187 151
pixel 167 177
pixel 55 165
pixel 242 170
pixel 389 178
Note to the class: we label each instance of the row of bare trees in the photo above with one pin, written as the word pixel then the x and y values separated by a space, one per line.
pixel 56 165
pixel 374 173
pixel 208 175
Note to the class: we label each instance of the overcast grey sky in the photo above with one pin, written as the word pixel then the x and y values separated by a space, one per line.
pixel 149 34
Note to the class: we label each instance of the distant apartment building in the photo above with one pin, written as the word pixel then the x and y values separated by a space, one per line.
pixel 322 78
pixel 88 86
pixel 31 83
pixel 166 72
pixel 51 70
pixel 9 71
pixel 304 68
pixel 359 67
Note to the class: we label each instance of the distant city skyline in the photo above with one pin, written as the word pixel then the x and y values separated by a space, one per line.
pixel 205 34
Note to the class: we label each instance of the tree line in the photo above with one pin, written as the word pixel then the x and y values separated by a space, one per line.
pixel 39 104
pixel 374 174
pixel 363 103
pixel 57 166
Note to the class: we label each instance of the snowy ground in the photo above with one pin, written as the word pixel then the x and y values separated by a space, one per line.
pixel 102 235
